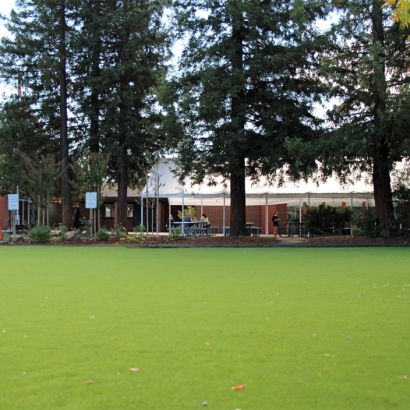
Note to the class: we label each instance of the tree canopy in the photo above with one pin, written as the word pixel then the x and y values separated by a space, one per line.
pixel 366 70
pixel 248 79
pixel 93 69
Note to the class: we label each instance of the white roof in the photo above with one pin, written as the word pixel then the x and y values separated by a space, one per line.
pixel 262 193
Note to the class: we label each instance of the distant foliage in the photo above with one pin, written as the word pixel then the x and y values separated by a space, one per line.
pixel 40 234
pixel 322 218
pixel 103 235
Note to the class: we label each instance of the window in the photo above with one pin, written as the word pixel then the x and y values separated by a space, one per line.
pixel 108 210
pixel 130 211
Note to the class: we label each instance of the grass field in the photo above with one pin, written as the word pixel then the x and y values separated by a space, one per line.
pixel 315 328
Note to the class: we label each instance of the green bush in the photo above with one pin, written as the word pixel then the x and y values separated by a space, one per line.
pixel 103 235
pixel 61 234
pixel 139 228
pixel 40 234
pixel 119 231
pixel 322 218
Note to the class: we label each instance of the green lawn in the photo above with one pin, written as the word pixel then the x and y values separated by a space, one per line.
pixel 303 328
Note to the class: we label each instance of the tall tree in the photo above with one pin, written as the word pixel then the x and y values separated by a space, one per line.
pixel 367 70
pixel 124 47
pixel 36 54
pixel 21 132
pixel 247 82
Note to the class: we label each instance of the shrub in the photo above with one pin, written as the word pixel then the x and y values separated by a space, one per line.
pixel 366 225
pixel 40 234
pixel 61 234
pixel 324 217
pixel 103 235
pixel 86 228
pixel 119 231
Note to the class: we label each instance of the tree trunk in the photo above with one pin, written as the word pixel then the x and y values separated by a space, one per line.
pixel 66 204
pixel 381 177
pixel 122 189
pixel 237 172
pixel 383 197
pixel 238 200
pixel 95 94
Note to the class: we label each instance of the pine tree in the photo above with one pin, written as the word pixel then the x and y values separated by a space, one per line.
pixel 123 48
pixel 247 83
pixel 367 71
pixel 36 55
pixel 21 133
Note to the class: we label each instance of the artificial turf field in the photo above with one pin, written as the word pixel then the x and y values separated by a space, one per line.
pixel 301 328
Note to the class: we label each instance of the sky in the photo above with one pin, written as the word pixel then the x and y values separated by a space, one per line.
pixel 5 8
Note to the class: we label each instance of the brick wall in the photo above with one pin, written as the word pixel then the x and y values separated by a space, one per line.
pixel 4 212
pixel 283 213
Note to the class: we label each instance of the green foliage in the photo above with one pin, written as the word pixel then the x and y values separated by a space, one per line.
pixel 20 134
pixel 122 46
pixel 368 121
pixel 366 224
pixel 85 230
pixel 188 210
pixel 40 234
pixel 140 228
pixel 324 217
pixel 61 234
pixel 119 231
pixel 86 50
pixel 90 170
pixel 241 93
pixel 175 234
pixel 401 200
pixel 103 235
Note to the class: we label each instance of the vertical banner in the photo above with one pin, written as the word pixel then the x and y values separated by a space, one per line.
pixel 91 204
pixel 91 200
pixel 13 202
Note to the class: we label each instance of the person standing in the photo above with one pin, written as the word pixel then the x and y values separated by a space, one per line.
pixel 275 220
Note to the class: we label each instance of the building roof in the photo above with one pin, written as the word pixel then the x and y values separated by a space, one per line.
pixel 164 184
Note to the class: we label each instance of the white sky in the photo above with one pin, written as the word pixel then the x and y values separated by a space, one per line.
pixel 5 8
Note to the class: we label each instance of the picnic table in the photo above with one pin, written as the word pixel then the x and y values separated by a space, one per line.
pixel 296 228
pixel 192 228
pixel 250 229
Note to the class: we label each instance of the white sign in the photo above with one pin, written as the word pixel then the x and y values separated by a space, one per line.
pixel 13 202
pixel 91 200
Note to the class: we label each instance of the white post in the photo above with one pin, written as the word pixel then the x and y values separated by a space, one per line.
pixel 224 217
pixel 169 219
pixel 266 216
pixel 182 215
pixel 142 210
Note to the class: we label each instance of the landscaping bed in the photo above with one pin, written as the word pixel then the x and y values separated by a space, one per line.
pixel 163 240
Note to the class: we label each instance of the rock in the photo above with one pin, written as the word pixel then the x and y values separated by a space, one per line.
pixel 69 236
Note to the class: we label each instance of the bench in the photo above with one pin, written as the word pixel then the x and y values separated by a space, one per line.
pixel 212 230
pixel 256 231
pixel 198 231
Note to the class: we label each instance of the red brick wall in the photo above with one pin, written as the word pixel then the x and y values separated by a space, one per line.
pixel 215 215
pixel 283 213
pixel 4 212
